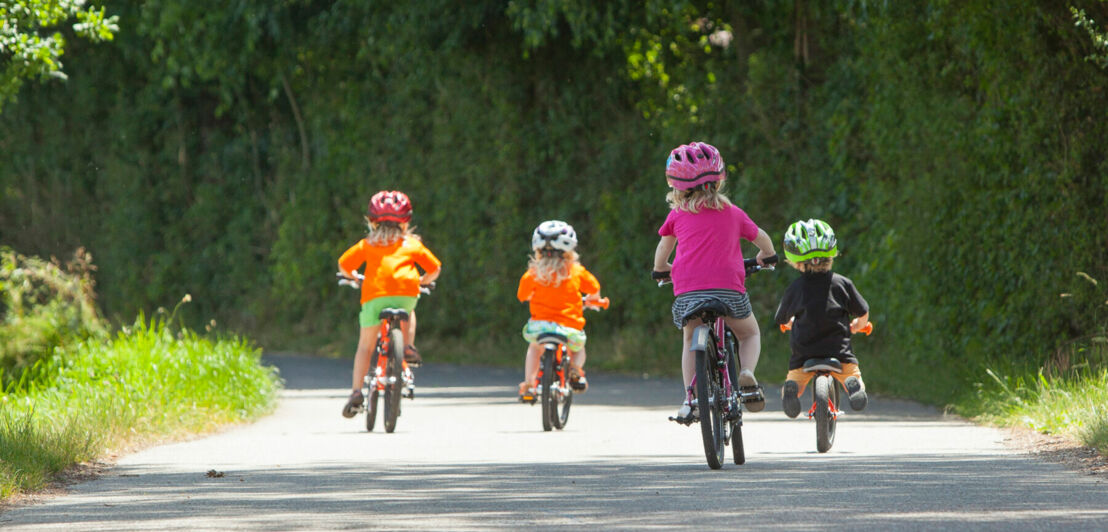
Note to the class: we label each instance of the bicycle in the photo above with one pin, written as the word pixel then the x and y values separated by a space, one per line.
pixel 718 400
pixel 825 393
pixel 390 375
pixel 554 381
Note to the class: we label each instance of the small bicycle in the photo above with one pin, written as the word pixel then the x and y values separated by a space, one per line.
pixel 825 394
pixel 389 374
pixel 553 382
pixel 715 384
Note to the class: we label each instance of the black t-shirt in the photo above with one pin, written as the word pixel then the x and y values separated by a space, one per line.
pixel 822 305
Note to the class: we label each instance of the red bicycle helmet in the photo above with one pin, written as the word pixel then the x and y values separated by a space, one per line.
pixel 390 206
pixel 692 165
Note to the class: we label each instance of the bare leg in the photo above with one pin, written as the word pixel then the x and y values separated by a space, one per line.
pixel 531 363
pixel 409 331
pixel 750 340
pixel 578 358
pixel 688 360
pixel 367 339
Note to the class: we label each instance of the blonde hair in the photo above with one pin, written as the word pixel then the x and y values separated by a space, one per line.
pixel 552 270
pixel 816 265
pixel 386 233
pixel 709 196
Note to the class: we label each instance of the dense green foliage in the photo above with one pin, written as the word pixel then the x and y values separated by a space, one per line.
pixel 147 382
pixel 227 149
pixel 26 52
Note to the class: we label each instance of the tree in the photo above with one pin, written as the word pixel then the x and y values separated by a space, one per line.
pixel 27 51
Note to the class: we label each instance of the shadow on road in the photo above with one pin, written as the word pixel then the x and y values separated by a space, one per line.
pixel 917 493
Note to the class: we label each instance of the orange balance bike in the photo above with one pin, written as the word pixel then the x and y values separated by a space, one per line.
pixel 389 374
pixel 825 394
pixel 553 384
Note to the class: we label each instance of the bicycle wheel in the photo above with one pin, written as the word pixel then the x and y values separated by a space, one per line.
pixel 708 391
pixel 394 380
pixel 737 448
pixel 563 394
pixel 825 419
pixel 371 410
pixel 548 390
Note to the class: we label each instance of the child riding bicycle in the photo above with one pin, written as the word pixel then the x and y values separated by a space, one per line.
pixel 818 306
pixel 553 284
pixel 706 228
pixel 391 253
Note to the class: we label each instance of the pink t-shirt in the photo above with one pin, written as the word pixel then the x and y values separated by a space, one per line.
pixel 709 255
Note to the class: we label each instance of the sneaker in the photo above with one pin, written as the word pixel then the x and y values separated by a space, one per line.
pixel 686 414
pixel 790 399
pixel 858 397
pixel 577 380
pixel 353 404
pixel 753 397
pixel 411 356
pixel 526 393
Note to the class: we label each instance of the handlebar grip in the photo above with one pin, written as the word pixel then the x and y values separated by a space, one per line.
pixel 786 327
pixel 658 276
pixel 601 303
pixel 868 329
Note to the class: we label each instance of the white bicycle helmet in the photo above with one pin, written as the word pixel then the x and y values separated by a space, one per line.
pixel 554 234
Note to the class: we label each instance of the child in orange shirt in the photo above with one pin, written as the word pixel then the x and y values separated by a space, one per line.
pixel 390 253
pixel 553 284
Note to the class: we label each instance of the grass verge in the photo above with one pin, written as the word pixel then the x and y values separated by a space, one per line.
pixel 146 383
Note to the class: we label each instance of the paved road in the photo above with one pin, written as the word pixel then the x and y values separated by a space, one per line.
pixel 467 456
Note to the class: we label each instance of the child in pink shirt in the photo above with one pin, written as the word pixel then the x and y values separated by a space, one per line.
pixel 707 230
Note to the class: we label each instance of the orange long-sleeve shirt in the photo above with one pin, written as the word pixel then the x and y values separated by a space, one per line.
pixel 560 304
pixel 389 270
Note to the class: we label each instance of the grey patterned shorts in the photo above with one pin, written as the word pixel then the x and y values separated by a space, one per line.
pixel 737 303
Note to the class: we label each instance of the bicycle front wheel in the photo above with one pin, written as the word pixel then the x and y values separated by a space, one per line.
pixel 708 402
pixel 394 378
pixel 563 394
pixel 547 390
pixel 825 418
pixel 371 409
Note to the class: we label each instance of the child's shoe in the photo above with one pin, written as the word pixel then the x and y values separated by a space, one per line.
pixel 577 380
pixel 686 414
pixel 790 400
pixel 353 404
pixel 857 393
pixel 411 356
pixel 753 397
pixel 526 393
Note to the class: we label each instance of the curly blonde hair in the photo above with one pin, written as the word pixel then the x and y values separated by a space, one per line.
pixel 386 233
pixel 709 196
pixel 552 270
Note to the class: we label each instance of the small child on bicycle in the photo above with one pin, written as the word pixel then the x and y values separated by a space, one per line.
pixel 553 284
pixel 818 306
pixel 706 229
pixel 391 253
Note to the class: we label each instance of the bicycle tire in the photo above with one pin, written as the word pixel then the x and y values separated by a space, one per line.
pixel 825 428
pixel 708 403
pixel 563 395
pixel 371 410
pixel 737 448
pixel 394 379
pixel 547 390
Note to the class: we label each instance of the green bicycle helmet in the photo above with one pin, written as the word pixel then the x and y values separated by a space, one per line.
pixel 810 239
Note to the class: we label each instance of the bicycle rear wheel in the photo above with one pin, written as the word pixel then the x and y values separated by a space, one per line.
pixel 394 379
pixel 547 390
pixel 825 418
pixel 563 394
pixel 708 391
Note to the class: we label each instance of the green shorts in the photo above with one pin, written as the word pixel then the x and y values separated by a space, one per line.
pixel 575 337
pixel 371 310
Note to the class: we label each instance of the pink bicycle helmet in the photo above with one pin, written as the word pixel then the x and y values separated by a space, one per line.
pixel 390 206
pixel 693 165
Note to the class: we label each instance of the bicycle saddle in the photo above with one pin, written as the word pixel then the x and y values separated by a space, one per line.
pixel 713 306
pixel 389 313
pixel 823 364
pixel 552 337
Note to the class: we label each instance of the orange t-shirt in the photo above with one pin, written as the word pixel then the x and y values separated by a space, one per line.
pixel 389 270
pixel 560 304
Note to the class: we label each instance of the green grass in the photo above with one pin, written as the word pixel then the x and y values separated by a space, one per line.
pixel 146 384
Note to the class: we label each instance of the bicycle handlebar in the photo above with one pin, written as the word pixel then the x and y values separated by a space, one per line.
pixel 596 304
pixel 356 282
pixel 867 330
pixel 751 265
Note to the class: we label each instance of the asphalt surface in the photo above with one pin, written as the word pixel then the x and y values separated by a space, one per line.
pixel 467 456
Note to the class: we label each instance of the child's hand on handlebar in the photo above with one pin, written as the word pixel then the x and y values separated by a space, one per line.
pixel 787 326
pixel 867 329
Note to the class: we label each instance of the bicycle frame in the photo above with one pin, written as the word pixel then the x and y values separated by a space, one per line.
pixel 377 379
pixel 714 331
